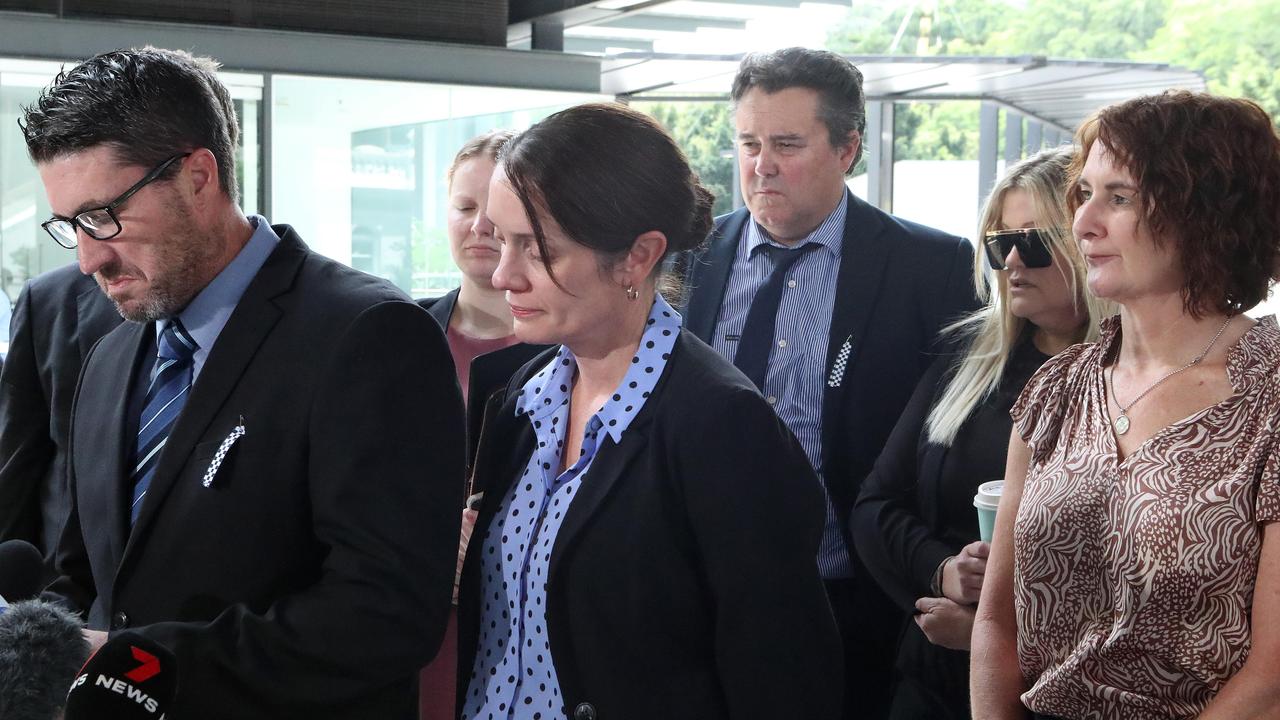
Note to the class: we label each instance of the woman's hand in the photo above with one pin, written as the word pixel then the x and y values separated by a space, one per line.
pixel 945 623
pixel 468 525
pixel 962 575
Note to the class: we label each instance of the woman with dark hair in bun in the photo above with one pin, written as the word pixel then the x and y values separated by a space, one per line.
pixel 646 541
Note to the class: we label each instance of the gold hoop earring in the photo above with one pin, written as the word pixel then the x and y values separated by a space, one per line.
pixel 632 293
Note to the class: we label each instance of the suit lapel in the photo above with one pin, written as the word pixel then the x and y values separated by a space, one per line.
pixel 95 317
pixel 863 256
pixel 610 463
pixel 442 309
pixel 107 389
pixel 250 323
pixel 710 274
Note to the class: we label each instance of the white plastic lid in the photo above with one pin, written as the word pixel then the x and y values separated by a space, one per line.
pixel 989 494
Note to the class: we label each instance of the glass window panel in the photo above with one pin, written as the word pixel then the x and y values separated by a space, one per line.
pixel 358 166
pixel 935 169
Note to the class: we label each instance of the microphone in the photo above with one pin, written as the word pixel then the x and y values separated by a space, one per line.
pixel 21 572
pixel 41 649
pixel 129 678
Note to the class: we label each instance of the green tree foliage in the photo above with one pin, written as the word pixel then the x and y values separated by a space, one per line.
pixel 1101 29
pixel 955 27
pixel 941 131
pixel 1234 43
pixel 704 130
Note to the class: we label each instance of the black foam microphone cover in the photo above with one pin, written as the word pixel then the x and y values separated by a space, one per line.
pixel 41 648
pixel 21 570
pixel 129 678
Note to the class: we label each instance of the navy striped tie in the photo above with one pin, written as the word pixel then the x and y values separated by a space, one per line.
pixel 166 395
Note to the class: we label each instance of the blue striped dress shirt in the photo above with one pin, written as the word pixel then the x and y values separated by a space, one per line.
pixel 796 379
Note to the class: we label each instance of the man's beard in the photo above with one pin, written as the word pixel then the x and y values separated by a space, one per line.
pixel 183 269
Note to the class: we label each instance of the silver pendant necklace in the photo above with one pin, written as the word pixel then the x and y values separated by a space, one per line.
pixel 1121 423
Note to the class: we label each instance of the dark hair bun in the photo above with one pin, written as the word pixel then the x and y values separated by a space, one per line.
pixel 700 222
pixel 607 174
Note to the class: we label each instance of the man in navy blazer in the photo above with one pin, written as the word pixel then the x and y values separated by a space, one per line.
pixel 266 460
pixel 832 306
pixel 58 317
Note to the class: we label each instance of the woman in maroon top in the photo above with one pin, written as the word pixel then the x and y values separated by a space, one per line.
pixel 475 316
pixel 477 322
pixel 1135 570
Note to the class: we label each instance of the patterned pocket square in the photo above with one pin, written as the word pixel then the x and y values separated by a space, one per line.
pixel 221 454
pixel 842 360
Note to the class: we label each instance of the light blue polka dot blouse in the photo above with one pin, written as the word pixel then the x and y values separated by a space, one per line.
pixel 514 674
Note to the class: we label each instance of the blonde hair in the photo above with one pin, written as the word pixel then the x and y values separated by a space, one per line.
pixel 487 145
pixel 993 330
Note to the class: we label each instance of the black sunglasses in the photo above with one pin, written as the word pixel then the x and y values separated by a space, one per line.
pixel 1032 245
pixel 101 223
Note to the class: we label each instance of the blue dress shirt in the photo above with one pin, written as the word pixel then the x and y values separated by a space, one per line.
pixel 211 308
pixel 795 382
pixel 208 312
pixel 514 674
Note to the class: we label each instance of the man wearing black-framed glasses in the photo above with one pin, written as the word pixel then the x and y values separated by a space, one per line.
pixel 267 461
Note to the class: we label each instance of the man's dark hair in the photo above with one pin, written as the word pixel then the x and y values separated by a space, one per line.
pixel 146 104
pixel 841 104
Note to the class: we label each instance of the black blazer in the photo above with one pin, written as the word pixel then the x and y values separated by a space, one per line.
pixel 489 373
pixel 683 582
pixel 899 283
pixel 312 577
pixel 916 509
pixel 58 317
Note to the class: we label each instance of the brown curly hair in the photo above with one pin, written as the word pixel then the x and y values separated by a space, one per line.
pixel 1208 173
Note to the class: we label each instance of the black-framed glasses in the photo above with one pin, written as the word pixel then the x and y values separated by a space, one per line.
pixel 1032 245
pixel 101 223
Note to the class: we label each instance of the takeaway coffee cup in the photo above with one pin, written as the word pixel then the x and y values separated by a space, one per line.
pixel 986 501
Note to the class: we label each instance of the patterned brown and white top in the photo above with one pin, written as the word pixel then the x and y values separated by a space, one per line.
pixel 1133 579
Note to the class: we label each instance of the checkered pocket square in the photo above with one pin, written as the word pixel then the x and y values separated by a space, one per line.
pixel 842 360
pixel 224 448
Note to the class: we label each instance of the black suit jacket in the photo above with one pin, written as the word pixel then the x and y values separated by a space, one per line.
pixel 898 284
pixel 58 317
pixel 489 373
pixel 683 582
pixel 311 576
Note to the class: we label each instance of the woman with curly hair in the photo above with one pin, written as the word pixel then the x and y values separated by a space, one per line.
pixel 1135 571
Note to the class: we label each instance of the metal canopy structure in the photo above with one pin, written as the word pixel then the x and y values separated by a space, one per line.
pixel 604 26
pixel 607 46
pixel 674 50
pixel 1057 93
pixel 1042 99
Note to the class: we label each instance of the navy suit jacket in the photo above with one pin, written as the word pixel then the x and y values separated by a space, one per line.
pixel 899 283
pixel 58 318
pixel 310 576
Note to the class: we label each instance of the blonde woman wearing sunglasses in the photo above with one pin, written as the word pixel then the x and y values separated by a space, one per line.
pixel 914 523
